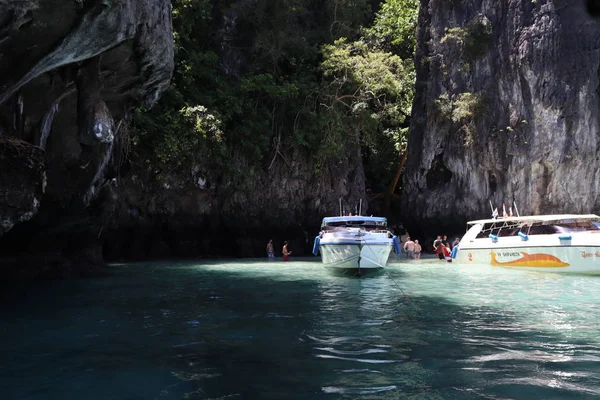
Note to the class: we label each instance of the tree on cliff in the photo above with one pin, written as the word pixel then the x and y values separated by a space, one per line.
pixel 368 94
pixel 370 90
pixel 394 30
pixel 250 77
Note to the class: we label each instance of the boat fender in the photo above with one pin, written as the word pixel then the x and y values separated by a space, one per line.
pixel 316 245
pixel 564 237
pixel 396 245
pixel 524 236
pixel 493 237
pixel 454 251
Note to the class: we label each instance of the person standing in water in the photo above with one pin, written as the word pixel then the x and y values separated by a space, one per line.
pixel 456 242
pixel 437 247
pixel 286 252
pixel 409 248
pixel 447 253
pixel 417 249
pixel 270 250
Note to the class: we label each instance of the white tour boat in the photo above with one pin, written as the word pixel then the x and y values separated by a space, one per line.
pixel 355 242
pixel 557 243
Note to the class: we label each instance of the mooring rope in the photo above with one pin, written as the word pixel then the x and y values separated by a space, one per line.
pixel 401 291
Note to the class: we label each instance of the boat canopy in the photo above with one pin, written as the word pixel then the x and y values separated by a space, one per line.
pixel 529 219
pixel 354 220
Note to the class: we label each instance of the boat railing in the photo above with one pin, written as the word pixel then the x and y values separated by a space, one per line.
pixel 515 228
pixel 496 227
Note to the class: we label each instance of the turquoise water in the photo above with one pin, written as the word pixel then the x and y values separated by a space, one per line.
pixel 252 329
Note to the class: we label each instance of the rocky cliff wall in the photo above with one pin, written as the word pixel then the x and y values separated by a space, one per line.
pixel 80 68
pixel 506 109
pixel 70 72
pixel 177 220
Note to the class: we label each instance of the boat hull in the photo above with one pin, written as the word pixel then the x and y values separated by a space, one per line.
pixel 347 256
pixel 576 259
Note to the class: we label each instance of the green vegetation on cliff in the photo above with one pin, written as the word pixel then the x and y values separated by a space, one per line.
pixel 254 80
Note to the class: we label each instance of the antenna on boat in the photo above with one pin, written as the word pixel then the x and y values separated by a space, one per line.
pixel 360 207
pixel 516 209
pixel 341 212
pixel 491 207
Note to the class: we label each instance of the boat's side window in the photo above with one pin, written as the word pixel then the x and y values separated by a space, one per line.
pixel 508 232
pixel 579 226
pixel 525 229
pixel 496 230
pixel 485 231
pixel 542 230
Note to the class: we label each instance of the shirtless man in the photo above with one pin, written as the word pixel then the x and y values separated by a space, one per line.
pixel 409 248
pixel 286 253
pixel 270 251
pixel 417 249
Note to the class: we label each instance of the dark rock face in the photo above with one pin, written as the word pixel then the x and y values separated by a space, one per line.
pixel 82 65
pixel 70 72
pixel 22 181
pixel 506 109
pixel 190 221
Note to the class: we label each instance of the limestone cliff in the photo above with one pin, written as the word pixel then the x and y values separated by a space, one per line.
pixel 81 66
pixel 70 71
pixel 506 109
pixel 190 220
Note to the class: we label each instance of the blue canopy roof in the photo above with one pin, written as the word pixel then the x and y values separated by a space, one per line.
pixel 354 218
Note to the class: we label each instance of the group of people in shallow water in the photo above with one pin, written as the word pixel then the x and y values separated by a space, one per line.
pixel 412 248
pixel 441 248
pixel 285 251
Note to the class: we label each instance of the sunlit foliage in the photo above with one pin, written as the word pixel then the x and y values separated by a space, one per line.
pixel 257 79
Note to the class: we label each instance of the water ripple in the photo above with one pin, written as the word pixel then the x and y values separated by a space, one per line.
pixel 358 390
pixel 351 352
pixel 362 360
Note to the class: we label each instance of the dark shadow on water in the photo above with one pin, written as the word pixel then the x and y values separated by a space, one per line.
pixel 355 273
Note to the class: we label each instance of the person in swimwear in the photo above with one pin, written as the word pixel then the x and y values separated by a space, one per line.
pixel 286 252
pixel 270 250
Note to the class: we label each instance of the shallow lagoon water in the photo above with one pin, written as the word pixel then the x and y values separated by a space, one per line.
pixel 254 329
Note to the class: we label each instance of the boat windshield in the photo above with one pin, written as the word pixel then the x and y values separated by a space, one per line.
pixel 368 225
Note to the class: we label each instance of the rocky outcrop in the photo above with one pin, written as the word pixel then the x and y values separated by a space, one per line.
pixel 70 72
pixel 180 221
pixel 93 61
pixel 507 109
pixel 22 181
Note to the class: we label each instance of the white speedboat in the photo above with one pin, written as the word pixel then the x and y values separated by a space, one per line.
pixel 355 242
pixel 557 243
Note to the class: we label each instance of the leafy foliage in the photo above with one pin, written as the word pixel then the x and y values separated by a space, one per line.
pixel 368 94
pixel 462 109
pixel 375 77
pixel 473 39
pixel 395 27
pixel 257 79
